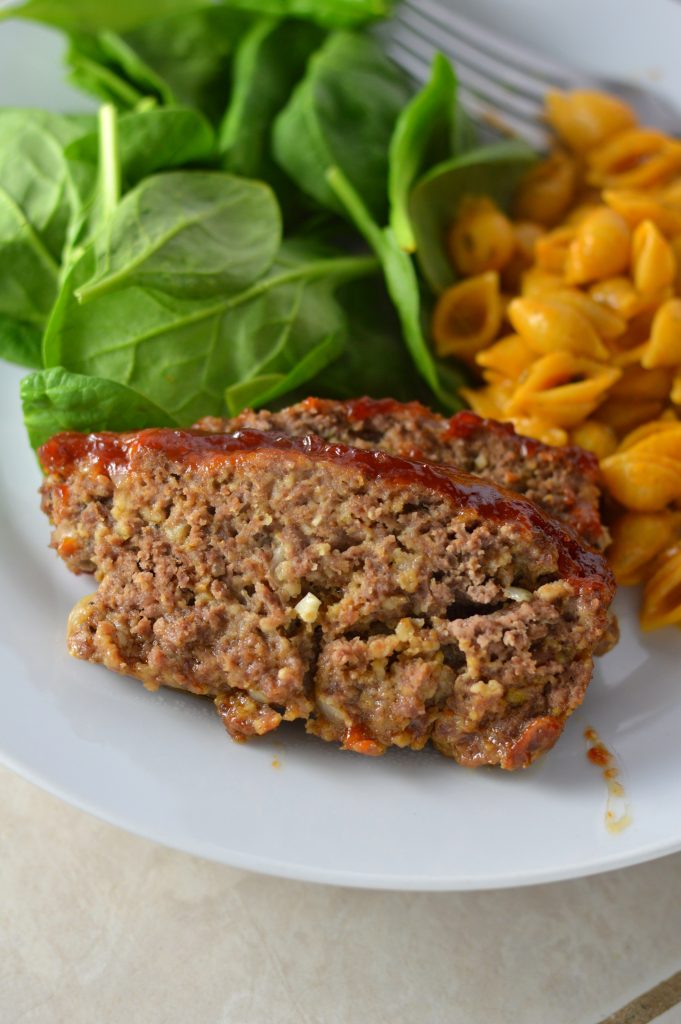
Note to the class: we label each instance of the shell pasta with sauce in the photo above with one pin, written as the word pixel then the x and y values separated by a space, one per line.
pixel 568 309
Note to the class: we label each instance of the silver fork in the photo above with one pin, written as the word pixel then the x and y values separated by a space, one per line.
pixel 502 84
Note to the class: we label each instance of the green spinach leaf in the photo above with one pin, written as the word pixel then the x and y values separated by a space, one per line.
pixel 128 148
pixel 34 173
pixel 403 288
pixel 20 343
pixel 329 13
pixel 178 58
pixel 55 400
pixel 266 387
pixel 187 233
pixel 106 66
pixel 181 353
pixel 491 170
pixel 375 360
pixel 93 15
pixel 192 53
pixel 270 59
pixel 371 359
pixel 37 205
pixel 342 114
pixel 149 141
pixel 29 274
pixel 426 133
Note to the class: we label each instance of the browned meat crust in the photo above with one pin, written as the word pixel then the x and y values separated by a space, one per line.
pixel 563 481
pixel 383 601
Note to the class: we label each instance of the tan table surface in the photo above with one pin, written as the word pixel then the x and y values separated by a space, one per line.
pixel 101 927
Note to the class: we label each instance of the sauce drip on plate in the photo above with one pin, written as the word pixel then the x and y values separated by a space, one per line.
pixel 617 812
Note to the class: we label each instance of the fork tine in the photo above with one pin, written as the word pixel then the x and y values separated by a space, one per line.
pixel 415 66
pixel 553 75
pixel 472 56
pixel 486 87
pixel 485 114
pixel 489 117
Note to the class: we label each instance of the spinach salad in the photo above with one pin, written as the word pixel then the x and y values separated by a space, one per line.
pixel 256 213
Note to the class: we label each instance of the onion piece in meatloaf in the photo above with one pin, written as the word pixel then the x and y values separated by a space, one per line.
pixel 384 601
pixel 564 481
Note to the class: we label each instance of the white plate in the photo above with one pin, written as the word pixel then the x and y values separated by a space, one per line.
pixel 161 765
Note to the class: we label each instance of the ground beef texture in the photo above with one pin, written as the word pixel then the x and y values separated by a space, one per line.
pixel 564 481
pixel 386 602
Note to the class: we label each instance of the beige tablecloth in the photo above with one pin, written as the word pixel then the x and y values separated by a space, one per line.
pixel 100 927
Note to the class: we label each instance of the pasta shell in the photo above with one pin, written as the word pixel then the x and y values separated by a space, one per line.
pixel 662 594
pixel 468 316
pixel 642 482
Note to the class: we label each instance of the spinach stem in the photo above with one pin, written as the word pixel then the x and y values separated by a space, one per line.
pixel 109 160
pixel 342 268
pixel 359 213
pixel 400 276
pixel 113 83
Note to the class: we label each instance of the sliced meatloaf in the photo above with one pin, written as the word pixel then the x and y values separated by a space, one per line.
pixel 563 481
pixel 384 601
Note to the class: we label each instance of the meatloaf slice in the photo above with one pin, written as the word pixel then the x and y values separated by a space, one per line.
pixel 382 600
pixel 563 481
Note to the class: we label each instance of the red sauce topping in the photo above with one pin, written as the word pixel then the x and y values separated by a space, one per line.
pixel 464 424
pixel 461 425
pixel 109 453
pixel 368 408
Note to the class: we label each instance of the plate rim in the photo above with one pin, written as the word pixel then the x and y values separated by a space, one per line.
pixel 645 851
pixel 350 880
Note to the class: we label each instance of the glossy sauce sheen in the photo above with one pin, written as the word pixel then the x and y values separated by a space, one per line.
pixel 368 408
pixel 464 424
pixel 108 453
pixel 461 425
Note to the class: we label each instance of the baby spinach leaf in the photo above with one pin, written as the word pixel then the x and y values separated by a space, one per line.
pixel 99 80
pixel 92 15
pixel 268 386
pixel 192 53
pixel 182 353
pixel 403 288
pixel 106 66
pixel 29 274
pixel 375 360
pixel 270 59
pixel 33 171
pixel 178 58
pixel 293 330
pixel 138 144
pixel 54 400
pixel 329 13
pixel 37 203
pixel 149 141
pixel 425 134
pixel 490 170
pixel 342 114
pixel 188 233
pixel 20 343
